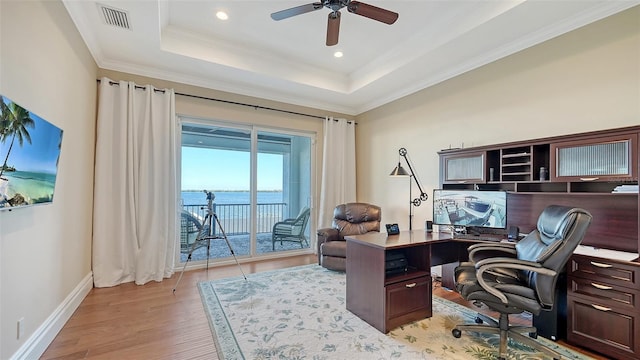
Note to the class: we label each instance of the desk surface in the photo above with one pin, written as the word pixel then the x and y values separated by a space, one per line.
pixel 405 238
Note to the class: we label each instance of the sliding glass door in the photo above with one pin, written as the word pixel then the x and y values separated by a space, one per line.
pixel 284 191
pixel 261 185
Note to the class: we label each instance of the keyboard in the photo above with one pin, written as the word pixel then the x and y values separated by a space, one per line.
pixel 477 237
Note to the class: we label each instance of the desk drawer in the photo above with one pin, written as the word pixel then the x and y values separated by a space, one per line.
pixel 609 330
pixel 408 301
pixel 606 271
pixel 604 293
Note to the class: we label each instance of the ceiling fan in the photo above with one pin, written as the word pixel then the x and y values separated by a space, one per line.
pixel 333 24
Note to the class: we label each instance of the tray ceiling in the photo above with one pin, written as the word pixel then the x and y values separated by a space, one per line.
pixel 288 61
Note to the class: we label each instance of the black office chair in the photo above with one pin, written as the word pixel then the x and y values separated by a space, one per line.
pixel 511 278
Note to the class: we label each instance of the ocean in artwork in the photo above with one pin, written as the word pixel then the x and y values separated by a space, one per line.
pixel 34 186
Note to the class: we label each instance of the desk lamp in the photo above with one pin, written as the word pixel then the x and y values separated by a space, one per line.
pixel 400 171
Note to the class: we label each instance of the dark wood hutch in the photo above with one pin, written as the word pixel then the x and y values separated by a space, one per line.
pixel 590 170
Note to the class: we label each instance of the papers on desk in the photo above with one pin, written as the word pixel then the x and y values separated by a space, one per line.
pixel 605 253
pixel 626 189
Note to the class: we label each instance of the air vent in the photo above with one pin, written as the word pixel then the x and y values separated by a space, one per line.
pixel 115 17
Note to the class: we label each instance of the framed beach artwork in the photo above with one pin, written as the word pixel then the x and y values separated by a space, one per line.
pixel 29 153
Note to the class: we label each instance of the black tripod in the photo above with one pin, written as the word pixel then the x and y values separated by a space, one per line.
pixel 206 234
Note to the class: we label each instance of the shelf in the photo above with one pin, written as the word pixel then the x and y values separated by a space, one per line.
pixel 516 173
pixel 541 186
pixel 595 187
pixel 410 274
pixel 515 155
pixel 516 164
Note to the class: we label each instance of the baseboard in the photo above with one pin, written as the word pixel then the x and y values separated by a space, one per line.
pixel 37 343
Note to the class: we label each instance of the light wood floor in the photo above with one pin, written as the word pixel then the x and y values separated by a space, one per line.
pixel 151 322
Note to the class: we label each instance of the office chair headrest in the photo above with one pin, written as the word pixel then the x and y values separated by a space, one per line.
pixel 555 221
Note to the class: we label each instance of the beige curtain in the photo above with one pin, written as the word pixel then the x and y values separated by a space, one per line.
pixel 135 201
pixel 338 168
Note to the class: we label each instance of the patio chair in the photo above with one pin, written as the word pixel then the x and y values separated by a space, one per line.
pixel 190 229
pixel 291 229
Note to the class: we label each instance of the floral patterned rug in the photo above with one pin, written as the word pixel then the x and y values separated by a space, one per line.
pixel 300 313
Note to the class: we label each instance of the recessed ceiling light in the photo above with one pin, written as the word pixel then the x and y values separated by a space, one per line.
pixel 222 15
pixel 338 54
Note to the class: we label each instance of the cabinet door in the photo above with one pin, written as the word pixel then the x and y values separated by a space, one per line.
pixel 463 168
pixel 605 329
pixel 595 159
pixel 407 301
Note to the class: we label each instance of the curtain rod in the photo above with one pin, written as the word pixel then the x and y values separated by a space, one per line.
pixel 260 107
pixel 135 86
pixel 237 103
pixel 250 105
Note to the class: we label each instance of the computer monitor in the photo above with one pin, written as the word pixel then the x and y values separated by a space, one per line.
pixel 470 208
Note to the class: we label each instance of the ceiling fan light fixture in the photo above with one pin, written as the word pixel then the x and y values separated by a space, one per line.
pixel 333 23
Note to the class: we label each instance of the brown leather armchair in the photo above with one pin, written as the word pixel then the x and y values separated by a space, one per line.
pixel 348 219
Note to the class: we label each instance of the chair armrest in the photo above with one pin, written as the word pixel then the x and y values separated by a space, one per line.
pixel 495 264
pixel 506 245
pixel 286 221
pixel 328 234
pixel 325 235
pixel 479 252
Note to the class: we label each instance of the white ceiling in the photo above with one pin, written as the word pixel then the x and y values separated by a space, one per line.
pixel 288 61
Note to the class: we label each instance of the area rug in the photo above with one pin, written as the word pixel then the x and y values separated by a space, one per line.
pixel 300 313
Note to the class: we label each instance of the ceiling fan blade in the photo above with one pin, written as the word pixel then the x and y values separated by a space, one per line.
pixel 298 10
pixel 333 28
pixel 372 12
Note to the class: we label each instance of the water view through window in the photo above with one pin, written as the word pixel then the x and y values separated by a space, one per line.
pixel 219 159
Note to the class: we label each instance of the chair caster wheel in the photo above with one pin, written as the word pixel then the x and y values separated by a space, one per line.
pixel 456 333
pixel 533 335
pixel 478 320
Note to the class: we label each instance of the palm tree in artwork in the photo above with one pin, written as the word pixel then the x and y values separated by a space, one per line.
pixel 4 124
pixel 14 122
pixel 4 118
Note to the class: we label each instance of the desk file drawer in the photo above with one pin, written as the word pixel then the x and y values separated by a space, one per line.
pixel 410 299
pixel 613 331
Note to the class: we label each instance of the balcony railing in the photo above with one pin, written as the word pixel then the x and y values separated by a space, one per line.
pixel 236 218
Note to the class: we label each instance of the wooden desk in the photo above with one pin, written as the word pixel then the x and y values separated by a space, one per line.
pixel 388 301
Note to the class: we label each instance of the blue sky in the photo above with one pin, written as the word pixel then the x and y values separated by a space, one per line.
pixel 39 156
pixel 215 169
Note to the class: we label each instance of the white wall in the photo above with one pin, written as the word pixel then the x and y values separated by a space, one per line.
pixel 585 80
pixel 45 251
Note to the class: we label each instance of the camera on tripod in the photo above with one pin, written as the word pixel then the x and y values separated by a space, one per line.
pixel 207 234
pixel 210 197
